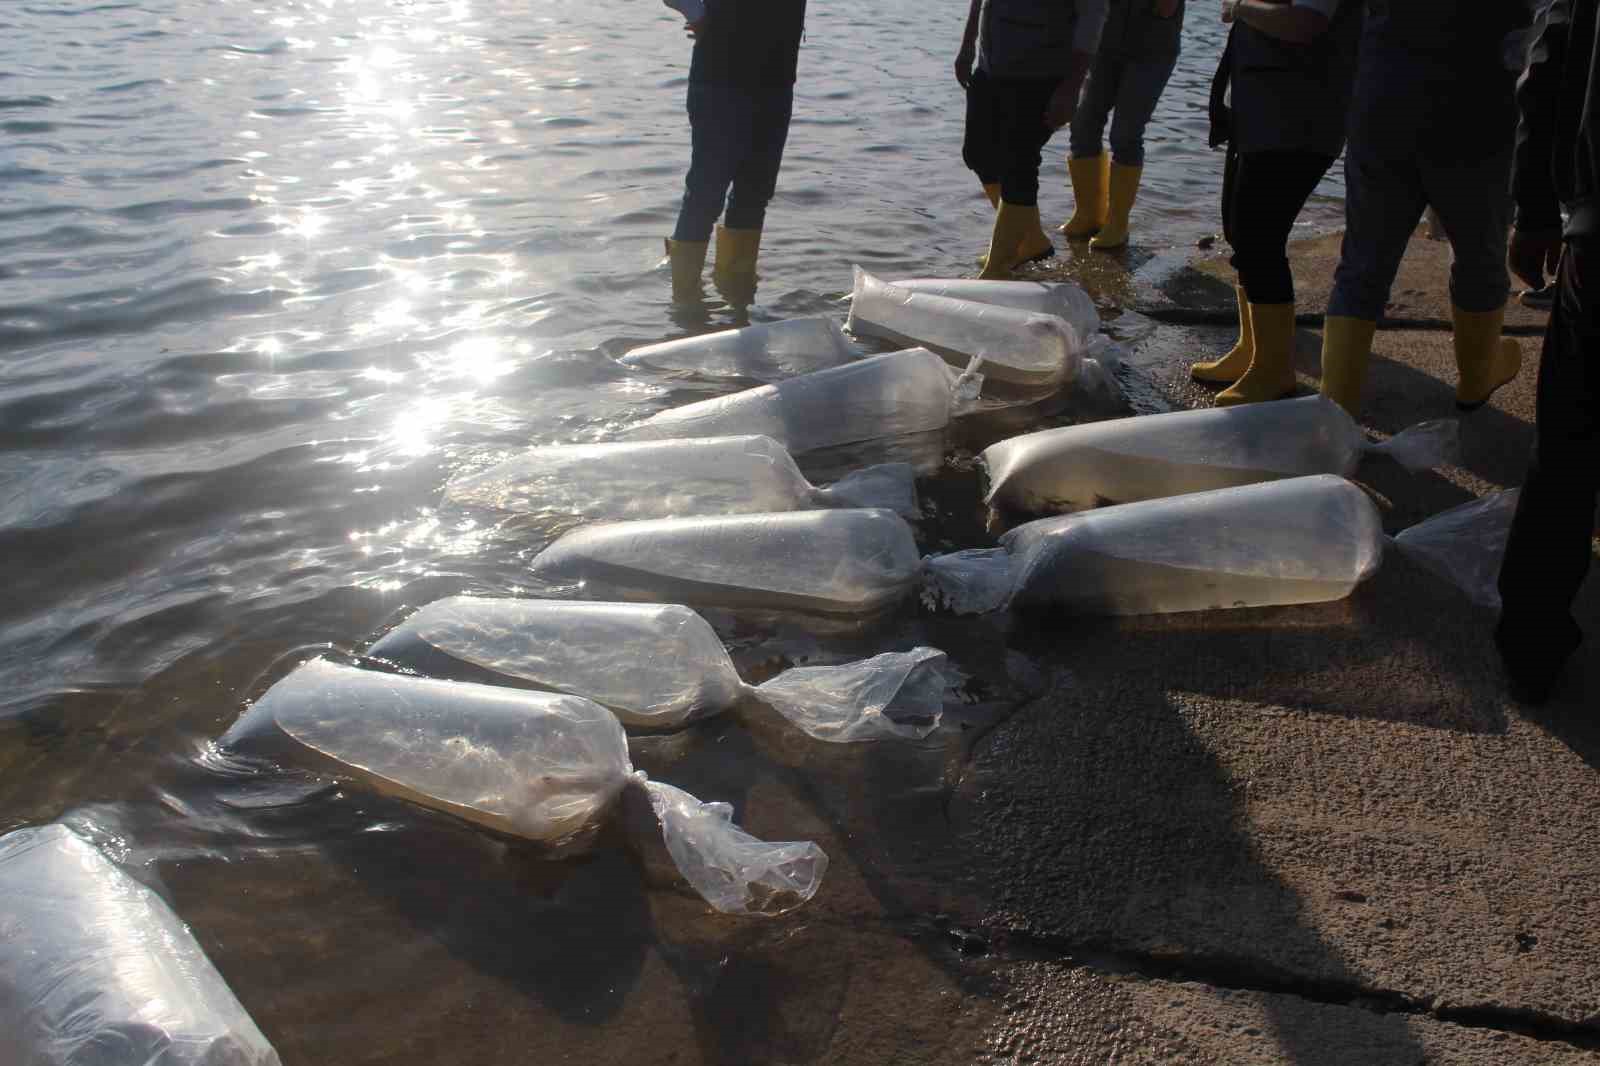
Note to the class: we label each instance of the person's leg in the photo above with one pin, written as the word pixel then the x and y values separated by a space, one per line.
pixel 1087 166
pixel 764 130
pixel 712 162
pixel 1233 363
pixel 979 149
pixel 1137 95
pixel 1271 189
pixel 1017 236
pixel 1548 550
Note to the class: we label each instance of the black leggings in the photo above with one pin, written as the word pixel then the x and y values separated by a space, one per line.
pixel 1262 194
pixel 1005 133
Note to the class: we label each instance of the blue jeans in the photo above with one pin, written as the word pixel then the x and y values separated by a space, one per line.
pixel 1126 90
pixel 737 136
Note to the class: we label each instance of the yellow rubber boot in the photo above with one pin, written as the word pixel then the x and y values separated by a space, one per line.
pixel 1484 359
pixel 1230 367
pixel 734 273
pixel 1346 350
pixel 1034 246
pixel 688 259
pixel 1271 373
pixel 992 191
pixel 1124 189
pixel 1013 223
pixel 1089 203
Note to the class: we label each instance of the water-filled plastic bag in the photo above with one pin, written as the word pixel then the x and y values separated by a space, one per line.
pixel 96 970
pixel 539 765
pixel 1466 545
pixel 768 351
pixel 1060 298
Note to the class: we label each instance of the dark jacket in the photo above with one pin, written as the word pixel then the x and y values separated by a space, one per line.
pixel 1029 39
pixel 1291 97
pixel 749 43
pixel 1557 143
pixel 1134 31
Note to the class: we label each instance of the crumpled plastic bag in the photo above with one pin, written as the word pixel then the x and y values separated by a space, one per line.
pixel 1059 298
pixel 538 765
pixel 629 480
pixel 96 970
pixel 889 395
pixel 662 665
pixel 831 562
pixel 1017 347
pixel 1299 540
pixel 768 351
pixel 1466 545
pixel 1148 457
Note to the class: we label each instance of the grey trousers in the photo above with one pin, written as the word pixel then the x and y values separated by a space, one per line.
pixel 1384 200
pixel 1126 90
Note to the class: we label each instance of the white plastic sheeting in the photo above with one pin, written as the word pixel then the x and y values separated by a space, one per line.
pixel 96 970
pixel 912 391
pixel 768 351
pixel 1017 347
pixel 629 480
pixel 839 562
pixel 1147 457
pixel 1466 545
pixel 662 665
pixel 532 764
pixel 1059 298
pixel 1301 540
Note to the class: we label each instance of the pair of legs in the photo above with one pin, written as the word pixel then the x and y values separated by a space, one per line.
pixel 1548 552
pixel 737 136
pixel 1262 195
pixel 1005 134
pixel 1126 92
pixel 1386 194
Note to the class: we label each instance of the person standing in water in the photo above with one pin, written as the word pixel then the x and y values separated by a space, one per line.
pixel 1291 67
pixel 741 96
pixel 1138 52
pixel 1022 64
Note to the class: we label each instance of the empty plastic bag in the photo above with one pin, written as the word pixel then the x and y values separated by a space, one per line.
pixel 1301 540
pixel 532 764
pixel 912 391
pixel 666 478
pixel 837 562
pixel 662 665
pixel 1147 457
pixel 1466 545
pixel 769 351
pixel 1017 347
pixel 96 970
pixel 1059 298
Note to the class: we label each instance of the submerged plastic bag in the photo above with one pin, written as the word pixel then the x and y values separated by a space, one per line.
pixel 769 351
pixel 840 562
pixel 1017 347
pixel 1059 298
pixel 96 970
pixel 887 395
pixel 1300 540
pixel 1147 457
pixel 662 665
pixel 532 764
pixel 1466 545
pixel 663 478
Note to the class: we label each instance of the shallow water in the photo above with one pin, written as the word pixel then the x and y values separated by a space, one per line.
pixel 271 274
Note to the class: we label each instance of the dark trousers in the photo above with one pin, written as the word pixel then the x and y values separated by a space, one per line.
pixel 1005 133
pixel 1548 551
pixel 1262 195
pixel 737 136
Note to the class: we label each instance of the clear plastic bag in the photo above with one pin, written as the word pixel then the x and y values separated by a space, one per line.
pixel 662 665
pixel 1017 347
pixel 1300 540
pixel 1059 298
pixel 1466 545
pixel 665 478
pixel 531 764
pixel 1148 457
pixel 836 562
pixel 96 970
pixel 889 395
pixel 768 351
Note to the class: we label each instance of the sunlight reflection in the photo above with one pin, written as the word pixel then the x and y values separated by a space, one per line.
pixel 481 359
pixel 414 430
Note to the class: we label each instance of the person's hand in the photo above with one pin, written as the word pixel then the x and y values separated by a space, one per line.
pixel 964 60
pixel 1533 255
pixel 1165 9
pixel 1230 8
pixel 1063 105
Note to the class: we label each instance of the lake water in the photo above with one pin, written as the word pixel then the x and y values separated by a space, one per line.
pixel 271 273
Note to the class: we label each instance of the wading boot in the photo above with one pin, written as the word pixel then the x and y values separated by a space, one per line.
pixel 1090 178
pixel 992 191
pixel 688 259
pixel 1034 247
pixel 1124 189
pixel 1271 373
pixel 734 273
pixel 1231 367
pixel 1013 224
pixel 1346 348
pixel 1484 359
